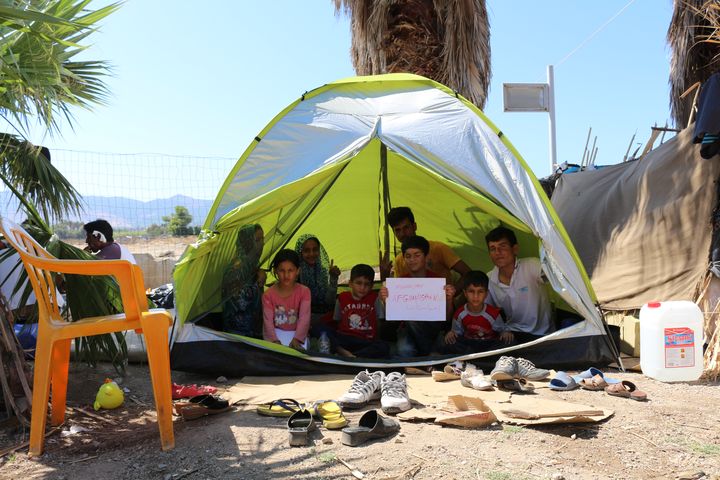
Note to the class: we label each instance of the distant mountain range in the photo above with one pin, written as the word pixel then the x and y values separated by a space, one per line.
pixel 124 212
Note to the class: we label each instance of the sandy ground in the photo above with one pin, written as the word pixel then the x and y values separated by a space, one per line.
pixel 673 435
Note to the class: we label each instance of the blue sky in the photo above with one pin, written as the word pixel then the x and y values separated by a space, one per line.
pixel 204 82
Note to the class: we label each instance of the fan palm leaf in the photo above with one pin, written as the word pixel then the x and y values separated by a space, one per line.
pixel 693 38
pixel 447 41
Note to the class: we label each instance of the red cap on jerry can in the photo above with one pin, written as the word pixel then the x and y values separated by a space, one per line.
pixel 653 305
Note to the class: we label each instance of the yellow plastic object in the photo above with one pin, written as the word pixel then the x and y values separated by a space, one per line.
pixel 52 353
pixel 109 396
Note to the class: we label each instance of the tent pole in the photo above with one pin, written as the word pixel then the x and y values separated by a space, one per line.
pixel 386 199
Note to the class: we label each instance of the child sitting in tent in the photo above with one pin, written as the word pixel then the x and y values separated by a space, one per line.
pixel 476 326
pixel 243 282
pixel 286 305
pixel 517 287
pixel 357 313
pixel 319 274
pixel 418 337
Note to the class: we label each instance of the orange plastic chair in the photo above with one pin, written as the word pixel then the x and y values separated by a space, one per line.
pixel 52 353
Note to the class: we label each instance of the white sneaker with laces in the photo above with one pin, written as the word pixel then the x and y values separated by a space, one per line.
pixel 365 387
pixel 394 397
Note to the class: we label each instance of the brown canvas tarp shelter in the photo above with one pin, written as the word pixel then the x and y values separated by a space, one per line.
pixel 643 228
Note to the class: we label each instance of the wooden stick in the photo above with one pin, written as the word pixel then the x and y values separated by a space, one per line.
pixel 353 471
pixel 649 441
pixel 26 443
pixel 83 459
pixel 92 415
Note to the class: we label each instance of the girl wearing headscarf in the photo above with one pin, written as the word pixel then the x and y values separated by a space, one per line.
pixel 243 282
pixel 317 273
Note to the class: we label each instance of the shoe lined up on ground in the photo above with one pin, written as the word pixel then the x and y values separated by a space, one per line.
pixel 391 389
pixel 371 425
pixel 472 377
pixel 300 424
pixel 365 387
pixel 394 397
pixel 509 368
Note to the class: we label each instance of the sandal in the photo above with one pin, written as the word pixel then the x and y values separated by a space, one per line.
pixel 283 407
pixel 330 413
pixel 626 389
pixel 201 406
pixel 595 383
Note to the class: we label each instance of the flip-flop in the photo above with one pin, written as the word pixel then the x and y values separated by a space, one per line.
pixel 591 372
pixel 200 406
pixel 283 407
pixel 595 383
pixel 563 382
pixel 626 389
pixel 519 385
pixel 330 413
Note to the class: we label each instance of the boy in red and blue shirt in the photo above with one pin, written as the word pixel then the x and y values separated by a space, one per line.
pixel 476 326
pixel 358 312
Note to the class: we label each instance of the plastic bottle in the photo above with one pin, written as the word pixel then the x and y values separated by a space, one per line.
pixel 324 343
pixel 671 341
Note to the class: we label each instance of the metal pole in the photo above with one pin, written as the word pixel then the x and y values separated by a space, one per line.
pixel 551 112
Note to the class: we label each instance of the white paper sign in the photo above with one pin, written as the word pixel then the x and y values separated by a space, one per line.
pixel 415 299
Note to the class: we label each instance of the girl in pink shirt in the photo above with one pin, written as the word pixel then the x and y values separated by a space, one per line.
pixel 286 305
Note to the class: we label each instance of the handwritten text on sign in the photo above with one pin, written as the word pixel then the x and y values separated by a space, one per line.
pixel 416 299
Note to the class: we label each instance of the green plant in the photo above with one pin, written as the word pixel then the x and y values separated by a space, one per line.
pixel 327 457
pixel 178 223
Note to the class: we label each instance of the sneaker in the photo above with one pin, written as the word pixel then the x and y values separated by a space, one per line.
pixel 394 397
pixel 471 377
pixel 365 387
pixel 451 371
pixel 505 369
pixel 526 369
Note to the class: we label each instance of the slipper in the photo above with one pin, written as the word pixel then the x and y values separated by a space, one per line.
pixel 452 371
pixel 187 391
pixel 283 407
pixel 371 425
pixel 591 372
pixel 472 377
pixel 300 424
pixel 519 385
pixel 563 382
pixel 626 389
pixel 200 406
pixel 595 383
pixel 330 413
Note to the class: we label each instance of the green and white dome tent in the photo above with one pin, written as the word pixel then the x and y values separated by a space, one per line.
pixel 332 164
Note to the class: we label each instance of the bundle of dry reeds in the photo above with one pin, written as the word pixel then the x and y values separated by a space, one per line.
pixel 15 377
pixel 712 333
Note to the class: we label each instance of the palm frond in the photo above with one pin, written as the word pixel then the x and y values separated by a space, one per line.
pixel 692 37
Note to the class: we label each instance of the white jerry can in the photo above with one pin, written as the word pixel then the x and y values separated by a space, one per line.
pixel 671 341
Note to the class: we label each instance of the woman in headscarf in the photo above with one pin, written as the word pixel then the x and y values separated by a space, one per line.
pixel 242 283
pixel 317 273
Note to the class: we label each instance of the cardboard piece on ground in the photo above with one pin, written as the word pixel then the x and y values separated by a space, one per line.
pixel 422 390
pixel 464 411
pixel 537 405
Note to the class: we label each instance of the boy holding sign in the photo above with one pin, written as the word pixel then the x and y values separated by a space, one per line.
pixel 418 334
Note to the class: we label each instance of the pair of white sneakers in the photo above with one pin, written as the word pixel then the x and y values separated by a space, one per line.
pixel 391 389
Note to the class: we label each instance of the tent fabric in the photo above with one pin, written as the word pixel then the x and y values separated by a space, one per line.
pixel 319 167
pixel 643 228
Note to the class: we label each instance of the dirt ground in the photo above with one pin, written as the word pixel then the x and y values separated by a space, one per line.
pixel 673 435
